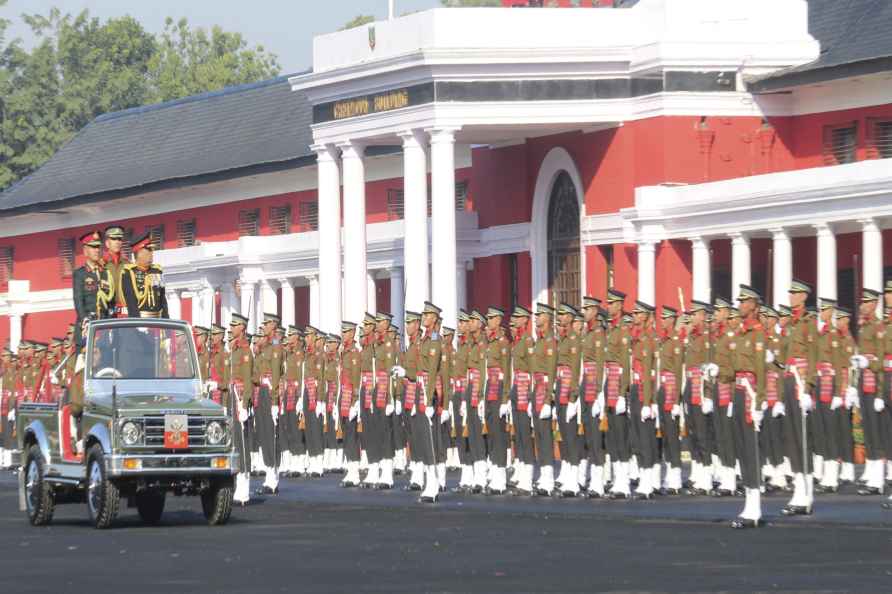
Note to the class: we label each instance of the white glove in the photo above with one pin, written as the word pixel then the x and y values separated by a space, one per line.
pixel 267 382
pixel 299 406
pixel 859 361
pixel 545 413
pixel 676 411
pixel 835 403
pixel 414 410
pixel 354 411
pixel 445 416
pixel 645 413
pixel 504 409
pixel 730 409
pixel 597 407
pixel 654 411
pixel 570 412
pixel 388 410
pixel 758 415
pixel 764 406
pixel 851 397
pixel 429 411
pixel 778 410
pixel 398 371
pixel 320 408
pixel 242 414
pixel 769 356
pixel 211 385
pixel 481 410
pixel 621 405
pixel 463 410
pixel 600 400
pixel 275 411
pixel 879 405
pixel 707 406
pixel 398 405
pixel 805 402
pixel 54 380
pixel 712 370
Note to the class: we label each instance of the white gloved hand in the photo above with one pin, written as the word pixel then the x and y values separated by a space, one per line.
pixel 320 408
pixel 778 410
pixel 764 406
pixel 398 371
pixel 504 409
pixel 676 411
pixel 730 409
pixel 211 385
pixel 445 416
pixel 398 405
pixel 600 400
pixel 242 414
pixel 851 397
pixel 463 410
pixel 54 380
pixel 769 356
pixel 835 403
pixel 481 410
pixel 645 413
pixel 712 370
pixel 414 410
pixel 429 412
pixel 805 402
pixel 570 413
pixel 707 406
pixel 299 406
pixel 758 415
pixel 275 411
pixel 545 413
pixel 859 361
pixel 879 405
pixel 354 412
pixel 388 409
pixel 597 407
pixel 621 405
pixel 267 382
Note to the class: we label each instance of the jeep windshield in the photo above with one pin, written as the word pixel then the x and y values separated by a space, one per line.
pixel 142 353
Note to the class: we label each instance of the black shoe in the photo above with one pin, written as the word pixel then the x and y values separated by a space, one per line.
pixel 666 492
pixel 687 484
pixel 267 491
pixel 616 496
pixel 476 489
pixel 887 505
pixel 695 492
pixel 868 491
pixel 383 487
pixel 770 488
pixel 426 499
pixel 518 492
pixel 739 492
pixel 826 490
pixel 567 494
pixel 634 483
pixel 721 493
pixel 315 475
pixel 796 510
pixel 743 523
pixel 844 483
pixel 593 494
pixel 643 496
pixel 494 492
pixel 461 489
pixel 348 485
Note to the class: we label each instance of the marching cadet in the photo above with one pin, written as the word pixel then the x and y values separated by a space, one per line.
pixel 496 408
pixel 290 399
pixel 644 366
pixel 408 372
pixel 846 383
pixel 313 401
pixel 521 379
pixel 567 401
pixel 217 368
pixel 771 438
pixel 747 408
pixel 696 357
pixel 92 287
pixel 399 434
pixel 241 381
pixel 7 414
pixel 114 264
pixel 459 380
pixel 886 417
pixel 670 345
pixel 475 400
pixel 349 402
pixel 616 384
pixel 800 358
pixel 593 406
pixel 385 415
pixel 267 375
pixel 331 421
pixel 423 426
pixel 370 437
pixel 828 399
pixel 727 320
pixel 870 361
pixel 142 284
pixel 544 366
pixel 443 435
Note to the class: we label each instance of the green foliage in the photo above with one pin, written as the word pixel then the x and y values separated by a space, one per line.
pixel 81 67
pixel 358 21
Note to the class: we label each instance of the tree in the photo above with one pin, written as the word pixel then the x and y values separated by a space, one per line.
pixel 470 3
pixel 358 21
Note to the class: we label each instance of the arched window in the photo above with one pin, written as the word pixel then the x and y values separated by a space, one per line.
pixel 564 257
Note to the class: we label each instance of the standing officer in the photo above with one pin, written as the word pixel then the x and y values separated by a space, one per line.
pixel 544 366
pixel 241 379
pixel 616 385
pixel 496 408
pixel 369 438
pixel 218 370
pixel 567 401
pixel 290 400
pixel 386 416
pixel 349 403
pixel 642 391
pixel 114 263
pixel 771 439
pixel 696 357
pixel 593 405
pixel 459 368
pixel 873 407
pixel 846 349
pixel 521 379
pixel 267 375
pixel 92 288
pixel 474 401
pixel 669 406
pixel 331 420
pixel 827 399
pixel 313 401
pixel 443 434
pixel 200 335
pixel 423 425
pixel 726 320
pixel 142 284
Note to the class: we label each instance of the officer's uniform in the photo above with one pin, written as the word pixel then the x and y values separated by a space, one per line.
pixel 241 374
pixel 566 396
pixel 424 422
pixel 617 437
pixel 92 288
pixel 696 356
pixel 521 380
pixel 267 375
pixel 771 442
pixel 459 369
pixel 593 348
pixel 725 343
pixel 497 366
pixel 114 263
pixel 293 443
pixel 331 377
pixel 871 338
pixel 475 395
pixel 143 286
pixel 845 377
pixel 380 355
pixel 313 400
pixel 349 404
pixel 671 372
pixel 642 392
pixel 442 423
pixel 544 364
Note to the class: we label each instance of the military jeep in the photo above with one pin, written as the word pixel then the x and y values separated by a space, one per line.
pixel 147 430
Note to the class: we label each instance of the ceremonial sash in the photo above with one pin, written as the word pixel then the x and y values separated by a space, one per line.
pixel 458 385
pixel 741 378
pixel 771 381
pixel 367 381
pixel 826 374
pixel 255 397
pixel 381 389
pixel 564 375
pixel 541 390
pixel 422 381
pixel 474 381
pixel 695 380
pixel 409 398
pixel 522 387
pixel 291 388
pixel 493 383
pixel 312 386
pixel 724 394
pixel 614 374
pixel 869 378
pixel 346 397
pixel 331 393
pixel 589 376
pixel 670 390
pixel 800 364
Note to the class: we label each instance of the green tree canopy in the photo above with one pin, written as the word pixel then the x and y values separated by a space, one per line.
pixel 358 21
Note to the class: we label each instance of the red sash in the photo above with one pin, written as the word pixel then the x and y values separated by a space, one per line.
pixel 741 377
pixel 492 383
pixel 441 396
pixel 291 388
pixel 4 405
pixel 800 364
pixel 458 385
pixel 409 399
pixel 381 389
pixel 422 380
pixel 614 374
pixel 367 381
pixel 869 378
pixel 541 390
pixel 565 377
pixel 312 391
pixel 590 377
pixel 695 377
pixel 826 374
pixel 670 390
pixel 346 397
pixel 522 386
pixel 887 363
pixel 331 393
pixel 474 379
pixel 255 397
pixel 771 381
pixel 724 394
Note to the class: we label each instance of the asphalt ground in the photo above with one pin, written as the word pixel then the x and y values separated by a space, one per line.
pixel 317 537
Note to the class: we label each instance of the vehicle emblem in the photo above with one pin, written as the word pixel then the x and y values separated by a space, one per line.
pixel 176 431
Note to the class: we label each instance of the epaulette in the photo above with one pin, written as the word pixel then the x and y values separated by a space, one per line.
pixel 129 266
pixel 158 266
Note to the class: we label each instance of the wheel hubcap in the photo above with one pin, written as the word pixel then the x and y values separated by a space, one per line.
pixel 31 485
pixel 95 488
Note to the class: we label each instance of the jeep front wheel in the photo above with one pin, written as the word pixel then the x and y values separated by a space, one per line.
pixel 216 502
pixel 39 500
pixel 103 496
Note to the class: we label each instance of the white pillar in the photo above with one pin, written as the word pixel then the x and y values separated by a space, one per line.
pixel 781 265
pixel 248 303
pixel 355 263
pixel 15 330
pixel 415 242
pixel 826 261
pixel 228 303
pixel 740 262
pixel 397 303
pixel 872 255
pixel 443 240
pixel 287 302
pixel 702 271
pixel 461 283
pixel 269 301
pixel 197 307
pixel 329 238
pixel 174 307
pixel 372 296
pixel 647 256
pixel 314 300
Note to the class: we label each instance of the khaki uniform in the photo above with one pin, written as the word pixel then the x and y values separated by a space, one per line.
pixel 871 339
pixel 700 431
pixel 749 372
pixel 800 353
pixel 642 394
pixel 522 351
pixel 544 365
pixel 617 374
pixel 498 368
pixel 241 382
pixel 670 379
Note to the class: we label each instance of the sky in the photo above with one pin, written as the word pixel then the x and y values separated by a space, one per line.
pixel 284 27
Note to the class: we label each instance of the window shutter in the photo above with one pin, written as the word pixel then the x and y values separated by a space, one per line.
pixel 126 251
pixel 66 257
pixel 395 201
pixel 461 195
pixel 249 222
pixel 157 233
pixel 309 216
pixel 186 233
pixel 879 138
pixel 840 143
pixel 280 219
pixel 6 261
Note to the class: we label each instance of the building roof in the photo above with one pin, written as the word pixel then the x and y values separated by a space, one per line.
pixel 855 40
pixel 245 126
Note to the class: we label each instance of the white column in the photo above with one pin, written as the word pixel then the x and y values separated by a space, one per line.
pixel 826 261
pixel 197 305
pixel 740 262
pixel 415 242
pixel 329 239
pixel 872 255
pixel 397 303
pixel 355 263
pixel 174 307
pixel 314 300
pixel 781 265
pixel 443 241
pixel 15 330
pixel 702 271
pixel 647 256
pixel 228 303
pixel 461 283
pixel 269 301
pixel 248 303
pixel 372 295
pixel 287 302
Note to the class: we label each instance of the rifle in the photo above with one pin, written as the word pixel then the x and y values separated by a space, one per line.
pixel 756 427
pixel 657 386
pixel 682 420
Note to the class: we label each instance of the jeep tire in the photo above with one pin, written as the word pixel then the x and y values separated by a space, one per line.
pixel 39 500
pixel 216 502
pixel 103 496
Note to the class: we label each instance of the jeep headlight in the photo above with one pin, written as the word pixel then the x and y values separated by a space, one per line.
pixel 130 433
pixel 215 433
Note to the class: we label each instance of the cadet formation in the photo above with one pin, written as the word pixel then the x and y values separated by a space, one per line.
pixel 763 399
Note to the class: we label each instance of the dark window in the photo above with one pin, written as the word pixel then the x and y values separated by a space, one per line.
pixel 395 201
pixel 6 260
pixel 280 219
pixel 879 139
pixel 125 245
pixel 461 195
pixel 840 143
pixel 186 233
pixel 66 257
pixel 249 222
pixel 309 216
pixel 564 251
pixel 157 233
pixel 512 281
pixel 607 252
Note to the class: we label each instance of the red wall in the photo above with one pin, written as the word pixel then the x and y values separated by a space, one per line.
pixel 673 271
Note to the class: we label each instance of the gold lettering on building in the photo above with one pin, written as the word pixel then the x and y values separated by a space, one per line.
pixel 394 100
pixel 351 108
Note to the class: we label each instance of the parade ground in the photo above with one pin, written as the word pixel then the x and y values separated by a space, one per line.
pixel 317 537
